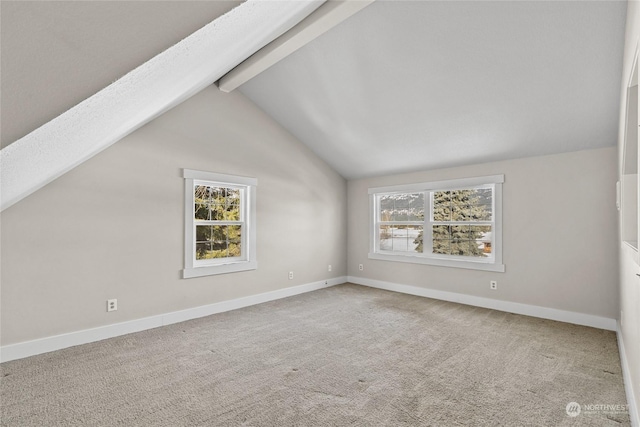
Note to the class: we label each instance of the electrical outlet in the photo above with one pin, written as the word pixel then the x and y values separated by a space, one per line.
pixel 112 304
pixel 291 275
pixel 493 285
pixel 360 267
pixel 329 267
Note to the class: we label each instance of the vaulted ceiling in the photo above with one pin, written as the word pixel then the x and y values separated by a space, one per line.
pixel 400 86
pixel 411 85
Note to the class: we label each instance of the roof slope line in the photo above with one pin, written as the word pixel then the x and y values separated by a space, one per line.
pixel 153 88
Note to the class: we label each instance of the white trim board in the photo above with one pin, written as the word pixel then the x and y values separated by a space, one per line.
pixel 507 306
pixel 143 94
pixel 58 342
pixel 327 16
pixel 628 385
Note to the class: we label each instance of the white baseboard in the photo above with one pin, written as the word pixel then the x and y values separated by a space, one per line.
pixel 57 342
pixel 510 307
pixel 628 384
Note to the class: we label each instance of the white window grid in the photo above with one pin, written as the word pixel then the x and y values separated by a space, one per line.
pixel 248 258
pixel 241 222
pixel 492 262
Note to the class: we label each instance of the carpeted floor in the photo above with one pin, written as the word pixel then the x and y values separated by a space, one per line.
pixel 342 356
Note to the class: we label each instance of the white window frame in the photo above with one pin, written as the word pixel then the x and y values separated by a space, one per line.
pixel 491 263
pixel 247 187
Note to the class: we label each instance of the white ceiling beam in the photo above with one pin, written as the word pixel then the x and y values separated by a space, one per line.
pixel 142 95
pixel 320 21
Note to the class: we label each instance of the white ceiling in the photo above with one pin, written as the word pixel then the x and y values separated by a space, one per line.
pixel 56 54
pixel 411 85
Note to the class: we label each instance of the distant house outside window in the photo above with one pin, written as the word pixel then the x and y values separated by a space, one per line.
pixel 455 223
pixel 220 234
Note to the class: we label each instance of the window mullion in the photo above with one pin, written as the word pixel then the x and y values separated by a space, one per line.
pixel 214 222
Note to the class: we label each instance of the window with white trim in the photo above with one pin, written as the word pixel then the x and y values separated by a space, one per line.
pixel 455 223
pixel 220 234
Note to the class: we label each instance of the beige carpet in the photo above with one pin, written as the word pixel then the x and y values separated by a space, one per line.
pixel 343 356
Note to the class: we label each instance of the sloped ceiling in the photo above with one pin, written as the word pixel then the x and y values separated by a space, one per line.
pixel 411 85
pixel 56 54
pixel 400 86
pixel 144 93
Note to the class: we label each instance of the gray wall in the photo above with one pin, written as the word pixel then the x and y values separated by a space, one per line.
pixel 559 234
pixel 113 227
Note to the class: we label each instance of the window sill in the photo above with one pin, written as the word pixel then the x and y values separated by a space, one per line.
pixel 212 270
pixel 470 265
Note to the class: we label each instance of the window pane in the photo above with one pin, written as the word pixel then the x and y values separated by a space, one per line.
pixel 485 196
pixel 232 211
pixel 459 232
pixel 234 233
pixel 441 232
pixel 217 212
pixel 202 249
pixel 463 240
pixel 202 194
pixel 484 213
pixel 203 233
pixel 201 198
pixel 218 241
pixel 463 205
pixel 201 211
pixel 442 213
pixel 442 198
pixel 461 247
pixel 442 247
pixel 401 238
pixel 402 207
pixel 233 198
pixel 386 242
pixel 217 203
pixel 219 233
pixel 481 235
pixel 234 249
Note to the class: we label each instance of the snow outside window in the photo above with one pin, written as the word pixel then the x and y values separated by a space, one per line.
pixel 454 223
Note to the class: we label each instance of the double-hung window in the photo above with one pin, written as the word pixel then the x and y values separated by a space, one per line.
pixel 219 223
pixel 456 223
